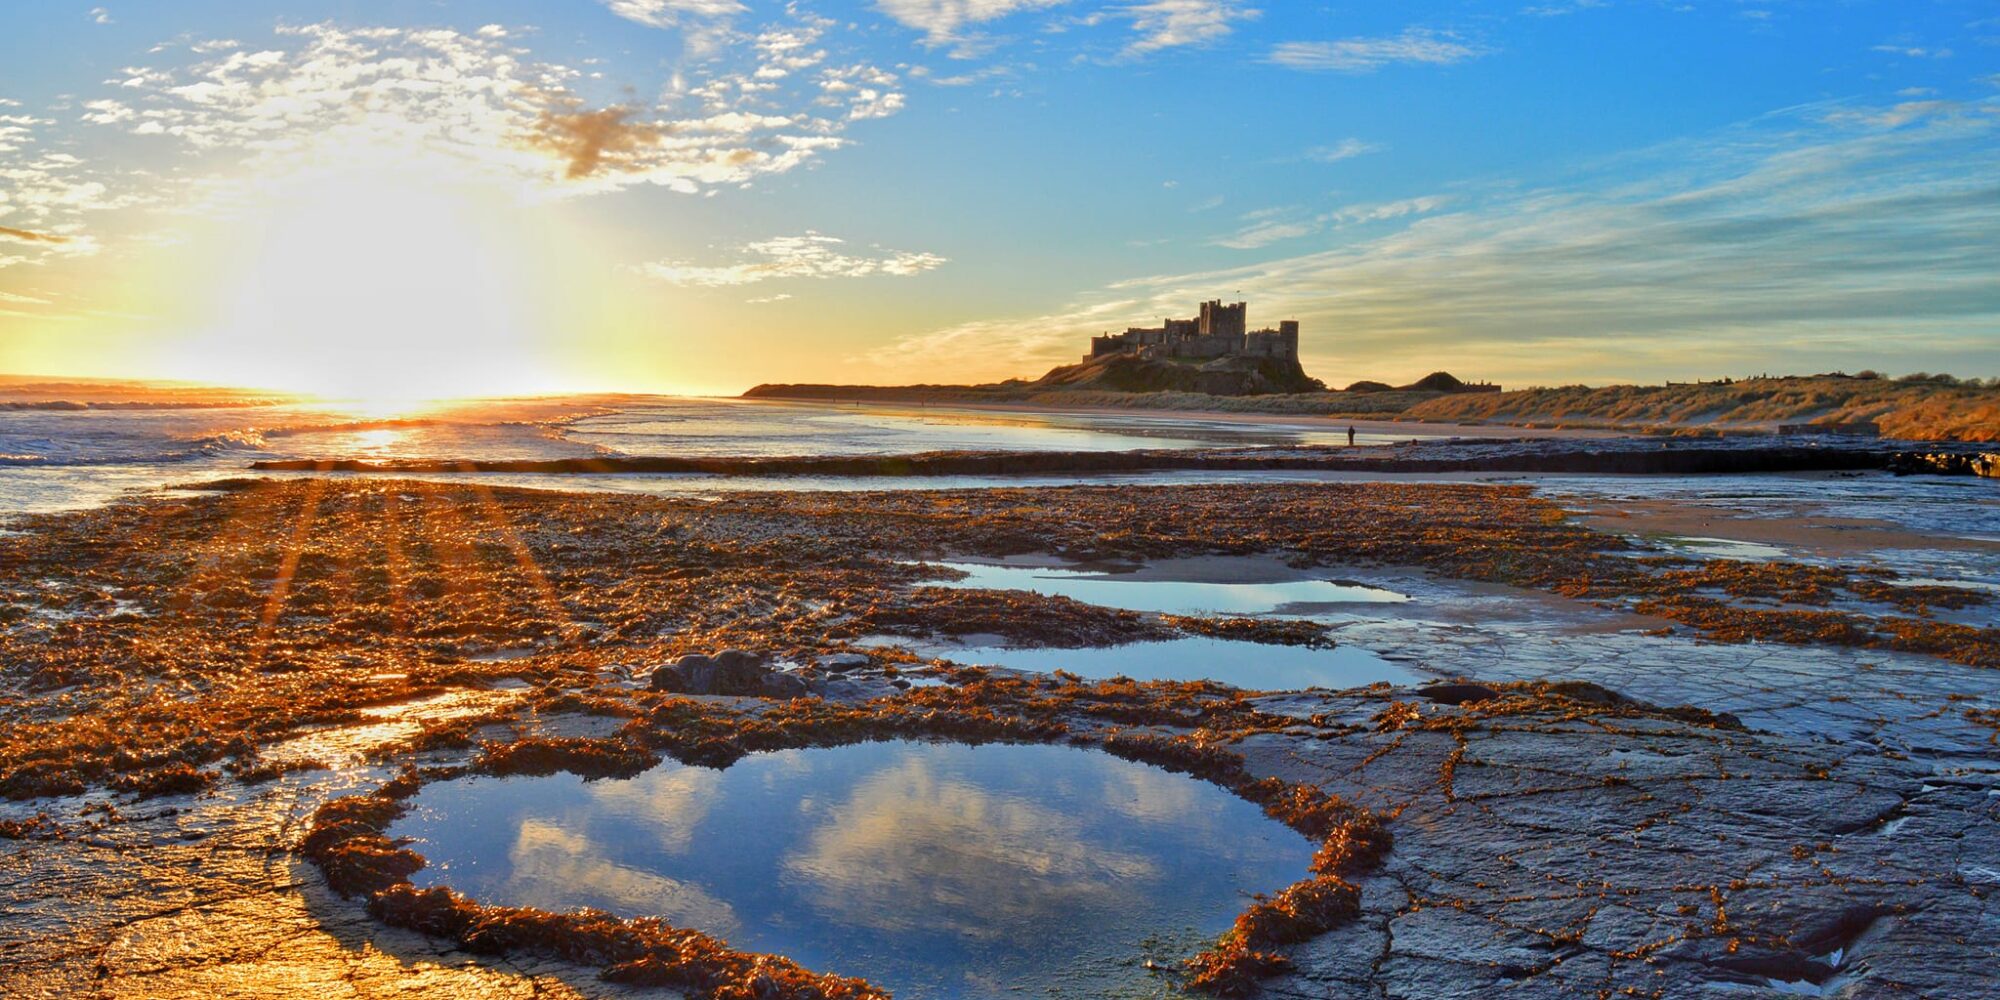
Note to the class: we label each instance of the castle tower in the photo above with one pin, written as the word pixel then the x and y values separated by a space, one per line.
pixel 1218 320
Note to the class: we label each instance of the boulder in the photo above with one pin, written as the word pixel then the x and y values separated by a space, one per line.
pixel 779 684
pixel 1457 694
pixel 730 672
pixel 840 663
pixel 691 674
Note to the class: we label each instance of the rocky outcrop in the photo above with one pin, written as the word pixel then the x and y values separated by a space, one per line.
pixel 1985 465
pixel 730 672
pixel 1625 456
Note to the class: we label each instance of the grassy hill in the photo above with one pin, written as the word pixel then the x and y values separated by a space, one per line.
pixel 1915 410
pixel 1926 410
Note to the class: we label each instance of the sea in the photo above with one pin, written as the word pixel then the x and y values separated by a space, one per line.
pixel 61 454
pixel 64 454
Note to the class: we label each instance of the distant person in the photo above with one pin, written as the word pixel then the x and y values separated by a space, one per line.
pixel 1350 435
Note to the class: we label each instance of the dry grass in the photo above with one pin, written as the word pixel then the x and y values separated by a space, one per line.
pixel 1917 411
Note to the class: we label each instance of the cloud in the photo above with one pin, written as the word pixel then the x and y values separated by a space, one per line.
pixel 1266 228
pixel 913 849
pixel 1914 51
pixel 479 102
pixel 1366 55
pixel 1165 24
pixel 809 256
pixel 1345 149
pixel 100 15
pixel 593 140
pixel 45 194
pixel 1804 241
pixel 1561 9
pixel 943 22
pixel 24 236
pixel 671 13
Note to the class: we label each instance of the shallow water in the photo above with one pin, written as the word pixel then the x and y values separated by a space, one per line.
pixel 53 459
pixel 1248 665
pixel 1178 597
pixel 1720 548
pixel 936 870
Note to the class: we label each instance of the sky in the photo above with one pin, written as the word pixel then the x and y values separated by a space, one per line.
pixel 458 197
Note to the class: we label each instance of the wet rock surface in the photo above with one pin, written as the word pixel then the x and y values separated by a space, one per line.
pixel 1621 455
pixel 1822 818
pixel 1985 465
pixel 730 672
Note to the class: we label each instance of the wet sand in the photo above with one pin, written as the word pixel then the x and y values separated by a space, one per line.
pixel 1804 534
pixel 1403 429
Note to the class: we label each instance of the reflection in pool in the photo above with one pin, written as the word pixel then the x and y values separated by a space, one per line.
pixel 1178 597
pixel 1249 665
pixel 1722 548
pixel 935 870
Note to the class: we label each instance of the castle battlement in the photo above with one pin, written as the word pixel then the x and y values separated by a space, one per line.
pixel 1218 331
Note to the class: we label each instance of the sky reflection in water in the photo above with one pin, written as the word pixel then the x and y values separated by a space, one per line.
pixel 937 870
pixel 1248 665
pixel 1179 597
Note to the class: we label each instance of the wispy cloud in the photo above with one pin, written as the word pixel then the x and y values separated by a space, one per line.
pixel 671 13
pixel 1806 242
pixel 1915 51
pixel 1564 8
pixel 1268 228
pixel 25 236
pixel 100 15
pixel 812 255
pixel 1345 149
pixel 945 22
pixel 1166 24
pixel 1366 55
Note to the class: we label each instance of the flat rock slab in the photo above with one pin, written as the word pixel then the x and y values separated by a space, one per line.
pixel 1535 855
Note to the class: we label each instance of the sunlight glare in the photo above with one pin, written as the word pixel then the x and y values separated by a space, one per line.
pixel 381 290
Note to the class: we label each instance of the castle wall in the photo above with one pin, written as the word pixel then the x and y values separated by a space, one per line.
pixel 1220 331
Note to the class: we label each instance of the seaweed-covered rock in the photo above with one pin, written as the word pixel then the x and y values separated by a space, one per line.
pixel 730 672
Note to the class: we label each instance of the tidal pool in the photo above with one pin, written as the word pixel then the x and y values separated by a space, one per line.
pixel 1177 597
pixel 1249 665
pixel 935 870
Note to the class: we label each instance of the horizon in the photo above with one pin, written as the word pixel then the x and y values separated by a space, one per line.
pixel 692 197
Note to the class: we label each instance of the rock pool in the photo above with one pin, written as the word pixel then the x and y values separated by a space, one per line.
pixel 1248 665
pixel 1166 596
pixel 934 870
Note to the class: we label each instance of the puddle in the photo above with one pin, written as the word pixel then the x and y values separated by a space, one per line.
pixel 1178 597
pixel 934 870
pixel 1722 548
pixel 1249 665
pixel 345 745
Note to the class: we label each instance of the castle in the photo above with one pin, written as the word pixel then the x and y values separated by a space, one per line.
pixel 1219 332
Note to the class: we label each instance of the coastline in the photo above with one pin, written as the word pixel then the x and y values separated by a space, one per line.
pixel 1324 423
pixel 462 629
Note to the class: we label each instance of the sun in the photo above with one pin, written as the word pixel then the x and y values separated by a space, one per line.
pixel 380 289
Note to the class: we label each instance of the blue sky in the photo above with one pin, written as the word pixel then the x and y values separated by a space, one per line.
pixel 705 194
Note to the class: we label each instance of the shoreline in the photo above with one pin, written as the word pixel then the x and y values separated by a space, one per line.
pixel 1315 422
pixel 1577 687
pixel 1510 455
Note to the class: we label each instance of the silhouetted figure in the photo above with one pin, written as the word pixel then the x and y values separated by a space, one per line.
pixel 1350 435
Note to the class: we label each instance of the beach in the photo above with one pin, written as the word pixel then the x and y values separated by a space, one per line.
pixel 289 662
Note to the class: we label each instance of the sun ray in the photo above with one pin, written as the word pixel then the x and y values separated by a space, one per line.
pixel 288 566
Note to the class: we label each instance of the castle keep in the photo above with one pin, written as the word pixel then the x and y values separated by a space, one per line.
pixel 1221 331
